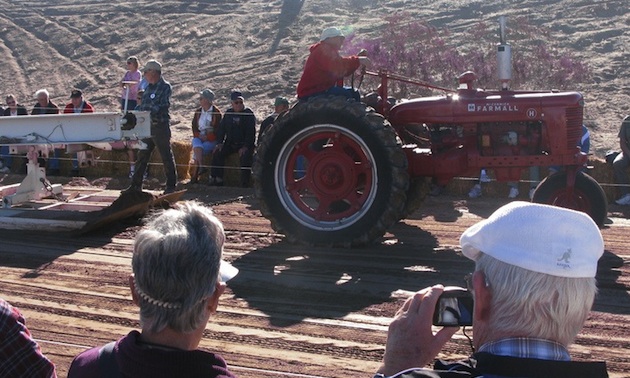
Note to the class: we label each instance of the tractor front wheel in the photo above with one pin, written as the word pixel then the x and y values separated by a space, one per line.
pixel 586 195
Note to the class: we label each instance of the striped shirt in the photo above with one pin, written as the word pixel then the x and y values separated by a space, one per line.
pixel 526 347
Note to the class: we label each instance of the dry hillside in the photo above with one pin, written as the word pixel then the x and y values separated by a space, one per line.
pixel 259 46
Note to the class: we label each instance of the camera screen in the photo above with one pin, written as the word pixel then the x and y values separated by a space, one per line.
pixel 454 310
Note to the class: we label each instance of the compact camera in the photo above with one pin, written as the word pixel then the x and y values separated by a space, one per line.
pixel 454 308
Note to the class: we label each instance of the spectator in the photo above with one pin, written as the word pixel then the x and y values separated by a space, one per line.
pixel 13 109
pixel 178 277
pixel 621 163
pixel 205 124
pixel 45 106
pixel 475 191
pixel 281 105
pixel 76 105
pixel 237 133
pixel 20 355
pixel 130 84
pixel 157 100
pixel 325 68
pixel 131 80
pixel 525 289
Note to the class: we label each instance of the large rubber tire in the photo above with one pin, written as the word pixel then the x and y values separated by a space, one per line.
pixel 331 173
pixel 587 195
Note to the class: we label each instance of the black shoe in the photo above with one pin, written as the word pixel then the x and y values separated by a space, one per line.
pixel 169 191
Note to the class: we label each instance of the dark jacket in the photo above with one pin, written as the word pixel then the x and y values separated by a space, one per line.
pixel 238 129
pixel 51 108
pixel 488 365
pixel 21 110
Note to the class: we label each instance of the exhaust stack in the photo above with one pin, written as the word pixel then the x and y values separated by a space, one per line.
pixel 504 57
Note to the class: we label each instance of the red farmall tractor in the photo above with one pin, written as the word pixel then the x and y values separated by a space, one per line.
pixel 336 172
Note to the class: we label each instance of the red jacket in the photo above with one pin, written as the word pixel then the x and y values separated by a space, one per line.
pixel 86 108
pixel 324 69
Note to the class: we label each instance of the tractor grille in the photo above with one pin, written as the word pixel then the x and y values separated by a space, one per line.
pixel 574 126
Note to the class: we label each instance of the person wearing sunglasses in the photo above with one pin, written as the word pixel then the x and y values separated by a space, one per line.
pixel 533 287
pixel 236 134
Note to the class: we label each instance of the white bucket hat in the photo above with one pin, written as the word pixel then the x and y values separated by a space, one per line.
pixel 541 238
pixel 331 32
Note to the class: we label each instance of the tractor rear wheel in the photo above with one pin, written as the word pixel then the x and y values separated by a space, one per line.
pixel 587 195
pixel 329 172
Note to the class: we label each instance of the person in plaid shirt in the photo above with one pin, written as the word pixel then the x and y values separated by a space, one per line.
pixel 20 355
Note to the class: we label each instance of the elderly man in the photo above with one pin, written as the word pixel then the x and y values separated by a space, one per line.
pixel 41 107
pixel 325 68
pixel 236 134
pixel 533 286
pixel 77 105
pixel 205 124
pixel 280 105
pixel 178 277
pixel 157 100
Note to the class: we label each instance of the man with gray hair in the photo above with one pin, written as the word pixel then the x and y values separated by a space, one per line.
pixel 157 100
pixel 533 287
pixel 178 277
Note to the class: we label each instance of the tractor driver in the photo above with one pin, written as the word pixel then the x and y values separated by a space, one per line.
pixel 325 68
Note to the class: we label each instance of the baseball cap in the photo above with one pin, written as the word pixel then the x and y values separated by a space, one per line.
pixel 330 32
pixel 76 94
pixel 541 238
pixel 227 271
pixel 236 95
pixel 153 65
pixel 280 101
pixel 207 94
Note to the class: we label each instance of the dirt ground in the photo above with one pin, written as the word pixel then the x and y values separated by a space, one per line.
pixel 316 312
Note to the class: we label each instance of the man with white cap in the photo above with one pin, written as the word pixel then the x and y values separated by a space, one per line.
pixel 325 68
pixel 533 286
pixel 178 277
pixel 157 100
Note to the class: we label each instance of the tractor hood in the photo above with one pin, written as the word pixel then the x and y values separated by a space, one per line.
pixel 469 106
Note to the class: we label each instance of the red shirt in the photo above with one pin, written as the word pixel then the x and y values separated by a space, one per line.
pixel 324 69
pixel 86 107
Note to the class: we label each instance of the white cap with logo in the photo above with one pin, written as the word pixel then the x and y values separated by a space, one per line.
pixel 541 238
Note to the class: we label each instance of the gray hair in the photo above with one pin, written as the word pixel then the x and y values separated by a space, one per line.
pixel 176 262
pixel 533 304
pixel 42 91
